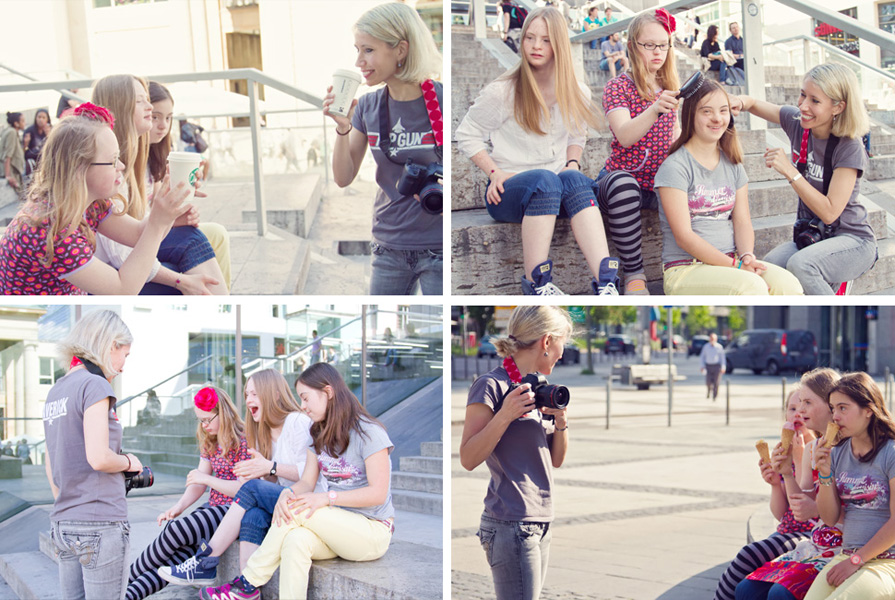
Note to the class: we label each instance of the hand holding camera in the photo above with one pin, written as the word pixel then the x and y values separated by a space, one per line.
pixel 519 400
pixel 424 182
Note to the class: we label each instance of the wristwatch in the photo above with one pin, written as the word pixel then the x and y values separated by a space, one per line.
pixel 856 559
pixel 273 469
pixel 332 497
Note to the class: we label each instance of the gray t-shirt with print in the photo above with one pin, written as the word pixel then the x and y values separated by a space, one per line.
pixel 84 493
pixel 864 491
pixel 711 195
pixel 399 222
pixel 521 471
pixel 849 153
pixel 349 471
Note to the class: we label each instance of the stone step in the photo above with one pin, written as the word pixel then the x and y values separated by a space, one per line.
pixel 31 575
pixel 417 482
pixel 881 277
pixel 419 502
pixel 432 449
pixel 172 468
pixel 881 167
pixel 166 441
pixel 275 264
pixel 421 464
pixel 291 202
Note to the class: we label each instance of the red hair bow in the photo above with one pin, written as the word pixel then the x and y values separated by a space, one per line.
pixel 94 113
pixel 206 399
pixel 664 17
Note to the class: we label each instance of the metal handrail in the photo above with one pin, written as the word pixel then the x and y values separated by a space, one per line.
pixel 253 78
pixel 874 35
pixel 166 380
pixel 623 24
pixel 837 51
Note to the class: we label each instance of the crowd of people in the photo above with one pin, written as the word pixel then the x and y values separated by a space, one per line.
pixel 303 475
pixel 674 149
pixel 100 215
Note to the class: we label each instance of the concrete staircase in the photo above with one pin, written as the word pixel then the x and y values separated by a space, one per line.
pixel 417 484
pixel 487 255
pixel 169 447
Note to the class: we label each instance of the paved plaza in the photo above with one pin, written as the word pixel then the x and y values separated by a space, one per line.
pixel 643 510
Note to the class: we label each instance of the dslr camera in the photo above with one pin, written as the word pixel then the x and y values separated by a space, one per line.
pixel 425 181
pixel 810 231
pixel 546 395
pixel 137 479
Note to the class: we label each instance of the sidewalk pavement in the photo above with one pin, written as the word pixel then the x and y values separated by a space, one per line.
pixel 643 510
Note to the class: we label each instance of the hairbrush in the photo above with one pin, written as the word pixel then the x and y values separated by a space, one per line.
pixel 692 85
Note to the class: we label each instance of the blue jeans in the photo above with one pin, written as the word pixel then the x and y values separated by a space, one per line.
pixel 92 558
pixel 397 272
pixel 721 67
pixel 604 65
pixel 258 497
pixel 517 552
pixel 541 192
pixel 762 590
pixel 837 259
pixel 184 248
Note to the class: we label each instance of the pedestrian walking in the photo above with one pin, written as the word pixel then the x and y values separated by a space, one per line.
pixel 713 364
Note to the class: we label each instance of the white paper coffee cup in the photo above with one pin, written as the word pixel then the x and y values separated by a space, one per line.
pixel 345 84
pixel 184 167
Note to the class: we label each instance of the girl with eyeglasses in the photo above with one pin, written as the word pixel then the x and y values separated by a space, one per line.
pixel 49 247
pixel 222 444
pixel 640 106
pixel 275 427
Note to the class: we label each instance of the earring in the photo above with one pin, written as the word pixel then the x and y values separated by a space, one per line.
pixel 545 354
pixel 400 64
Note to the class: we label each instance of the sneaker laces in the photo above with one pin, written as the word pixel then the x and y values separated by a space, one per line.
pixel 549 289
pixel 607 290
pixel 188 568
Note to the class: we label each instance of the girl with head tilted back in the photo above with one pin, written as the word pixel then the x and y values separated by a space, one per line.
pixel 707 235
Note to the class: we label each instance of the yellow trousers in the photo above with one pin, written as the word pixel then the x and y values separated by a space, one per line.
pixel 328 533
pixel 874 581
pixel 220 242
pixel 700 279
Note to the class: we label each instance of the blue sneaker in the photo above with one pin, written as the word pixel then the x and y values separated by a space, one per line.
pixel 607 284
pixel 541 282
pixel 201 569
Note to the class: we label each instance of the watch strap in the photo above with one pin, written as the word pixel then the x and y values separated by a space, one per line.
pixel 273 469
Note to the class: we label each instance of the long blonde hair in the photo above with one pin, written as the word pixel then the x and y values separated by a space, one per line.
pixel 116 92
pixel 529 106
pixel 230 429
pixel 277 402
pixel 666 76
pixel 58 193
pixel 840 84
pixel 394 22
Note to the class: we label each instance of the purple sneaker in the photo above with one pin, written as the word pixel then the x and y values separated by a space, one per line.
pixel 235 590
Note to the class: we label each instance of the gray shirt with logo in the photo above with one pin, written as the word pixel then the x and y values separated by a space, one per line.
pixel 849 153
pixel 521 471
pixel 399 222
pixel 84 493
pixel 349 471
pixel 711 195
pixel 864 491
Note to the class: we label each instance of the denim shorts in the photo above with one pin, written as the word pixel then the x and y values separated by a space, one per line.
pixel 259 498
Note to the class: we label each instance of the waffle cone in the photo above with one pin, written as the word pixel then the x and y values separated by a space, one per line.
pixel 830 435
pixel 762 447
pixel 786 438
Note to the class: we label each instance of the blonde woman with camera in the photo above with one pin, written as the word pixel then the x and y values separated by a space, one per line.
pixel 401 122
pixel 521 445
pixel 84 463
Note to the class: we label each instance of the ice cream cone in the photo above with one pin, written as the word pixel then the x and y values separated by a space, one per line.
pixel 830 435
pixel 762 447
pixel 786 437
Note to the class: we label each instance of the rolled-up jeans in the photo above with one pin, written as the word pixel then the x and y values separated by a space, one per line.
pixel 517 552
pixel 841 258
pixel 93 558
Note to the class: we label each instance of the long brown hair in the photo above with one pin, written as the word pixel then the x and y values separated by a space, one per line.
pixel 277 402
pixel 529 107
pixel 116 92
pixel 729 142
pixel 864 392
pixel 158 152
pixel 230 429
pixel 343 411
pixel 666 76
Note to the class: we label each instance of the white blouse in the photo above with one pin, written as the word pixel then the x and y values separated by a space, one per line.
pixel 491 119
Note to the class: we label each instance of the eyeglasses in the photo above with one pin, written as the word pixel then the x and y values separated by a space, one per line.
pixel 114 162
pixel 650 47
pixel 208 421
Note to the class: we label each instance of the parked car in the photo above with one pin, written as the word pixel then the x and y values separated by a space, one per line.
pixel 772 351
pixel 677 340
pixel 486 348
pixel 620 344
pixel 571 355
pixel 696 344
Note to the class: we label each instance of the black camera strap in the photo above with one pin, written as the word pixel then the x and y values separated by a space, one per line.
pixel 436 120
pixel 802 166
pixel 91 368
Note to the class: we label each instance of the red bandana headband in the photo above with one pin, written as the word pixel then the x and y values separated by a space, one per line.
pixel 95 113
pixel 206 399
pixel 666 20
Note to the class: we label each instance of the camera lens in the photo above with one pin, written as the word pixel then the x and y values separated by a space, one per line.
pixel 431 198
pixel 559 396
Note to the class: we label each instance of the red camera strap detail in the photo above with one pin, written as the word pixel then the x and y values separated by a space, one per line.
pixel 802 158
pixel 512 370
pixel 436 117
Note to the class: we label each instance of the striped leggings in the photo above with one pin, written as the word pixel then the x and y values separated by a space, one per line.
pixel 178 541
pixel 620 199
pixel 752 556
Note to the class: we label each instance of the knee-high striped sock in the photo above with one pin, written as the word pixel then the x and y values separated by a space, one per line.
pixel 619 199
pixel 752 556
